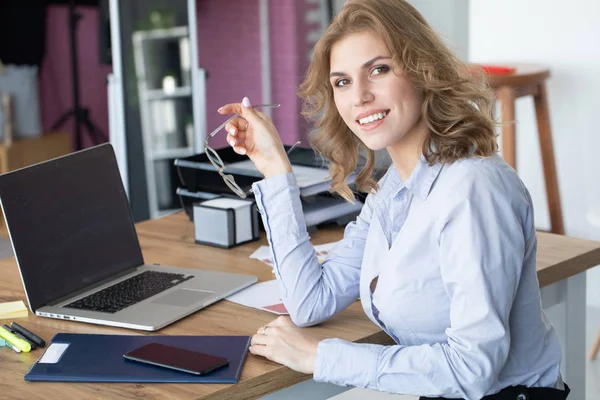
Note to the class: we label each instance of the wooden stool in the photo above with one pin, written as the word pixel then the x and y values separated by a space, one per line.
pixel 529 80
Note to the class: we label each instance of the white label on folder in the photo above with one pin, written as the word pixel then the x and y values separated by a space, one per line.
pixel 53 353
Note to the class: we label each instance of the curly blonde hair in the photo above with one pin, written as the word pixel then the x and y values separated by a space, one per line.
pixel 457 102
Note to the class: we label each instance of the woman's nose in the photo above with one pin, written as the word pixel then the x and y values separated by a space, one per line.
pixel 362 94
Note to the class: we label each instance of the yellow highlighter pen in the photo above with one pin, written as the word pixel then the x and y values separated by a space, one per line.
pixel 14 341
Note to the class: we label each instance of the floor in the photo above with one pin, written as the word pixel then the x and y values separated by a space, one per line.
pixel 312 390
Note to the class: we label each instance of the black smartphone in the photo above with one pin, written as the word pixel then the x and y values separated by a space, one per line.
pixel 192 362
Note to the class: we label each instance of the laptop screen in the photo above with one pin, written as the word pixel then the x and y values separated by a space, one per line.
pixel 69 222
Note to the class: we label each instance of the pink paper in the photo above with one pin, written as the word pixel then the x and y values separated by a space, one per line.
pixel 279 308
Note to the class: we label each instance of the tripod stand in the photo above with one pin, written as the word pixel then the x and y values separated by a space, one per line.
pixel 81 114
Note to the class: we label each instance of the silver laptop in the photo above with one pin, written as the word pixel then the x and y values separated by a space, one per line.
pixel 78 253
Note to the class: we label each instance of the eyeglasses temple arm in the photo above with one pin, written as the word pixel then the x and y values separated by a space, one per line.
pixel 213 133
pixel 294 146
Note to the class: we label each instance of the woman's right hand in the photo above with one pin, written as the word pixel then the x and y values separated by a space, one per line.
pixel 255 136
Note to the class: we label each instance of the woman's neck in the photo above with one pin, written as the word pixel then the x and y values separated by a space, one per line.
pixel 407 152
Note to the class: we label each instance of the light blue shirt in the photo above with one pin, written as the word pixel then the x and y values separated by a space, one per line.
pixel 454 250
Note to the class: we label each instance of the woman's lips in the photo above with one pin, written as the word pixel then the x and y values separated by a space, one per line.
pixel 372 125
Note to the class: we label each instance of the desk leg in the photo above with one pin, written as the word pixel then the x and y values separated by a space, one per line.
pixel 564 303
pixel 575 321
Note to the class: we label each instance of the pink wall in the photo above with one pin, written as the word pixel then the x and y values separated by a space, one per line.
pixel 283 25
pixel 55 75
pixel 288 30
pixel 229 49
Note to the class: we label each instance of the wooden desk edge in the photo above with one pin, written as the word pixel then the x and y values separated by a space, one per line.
pixel 568 268
pixel 279 378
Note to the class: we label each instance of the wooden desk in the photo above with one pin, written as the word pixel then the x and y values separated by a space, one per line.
pixel 170 241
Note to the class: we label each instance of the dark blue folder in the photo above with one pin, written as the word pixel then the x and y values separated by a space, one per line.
pixel 99 358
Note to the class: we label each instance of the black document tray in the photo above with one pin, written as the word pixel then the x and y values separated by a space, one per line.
pixel 206 179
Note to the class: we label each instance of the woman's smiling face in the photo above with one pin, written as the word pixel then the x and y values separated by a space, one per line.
pixel 373 96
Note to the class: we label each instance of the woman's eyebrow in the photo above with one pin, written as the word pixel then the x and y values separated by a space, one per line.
pixel 368 64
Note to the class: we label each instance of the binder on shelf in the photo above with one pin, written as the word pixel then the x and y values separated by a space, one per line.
pixel 74 357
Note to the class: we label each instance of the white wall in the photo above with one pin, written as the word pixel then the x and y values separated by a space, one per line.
pixel 450 19
pixel 566 37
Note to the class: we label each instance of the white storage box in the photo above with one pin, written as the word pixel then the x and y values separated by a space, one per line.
pixel 225 222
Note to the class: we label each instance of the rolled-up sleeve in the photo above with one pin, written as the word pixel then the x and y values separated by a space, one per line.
pixel 482 247
pixel 311 292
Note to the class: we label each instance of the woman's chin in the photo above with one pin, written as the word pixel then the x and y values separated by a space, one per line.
pixel 374 143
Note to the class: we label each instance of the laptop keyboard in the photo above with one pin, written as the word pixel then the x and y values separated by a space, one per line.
pixel 130 291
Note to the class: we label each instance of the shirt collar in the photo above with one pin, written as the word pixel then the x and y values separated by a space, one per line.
pixel 419 182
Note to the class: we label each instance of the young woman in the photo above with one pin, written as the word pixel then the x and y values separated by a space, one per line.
pixel 443 254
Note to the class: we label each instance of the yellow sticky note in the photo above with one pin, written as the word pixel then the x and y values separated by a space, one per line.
pixel 13 309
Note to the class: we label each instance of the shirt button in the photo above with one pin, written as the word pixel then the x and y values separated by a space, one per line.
pixel 521 396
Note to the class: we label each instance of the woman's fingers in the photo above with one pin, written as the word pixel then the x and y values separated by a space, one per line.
pixel 231 108
pixel 264 346
pixel 238 142
pixel 239 137
pixel 263 351
pixel 237 108
pixel 236 135
pixel 250 113
pixel 259 339
pixel 236 125
pixel 259 345
pixel 281 321
pixel 261 114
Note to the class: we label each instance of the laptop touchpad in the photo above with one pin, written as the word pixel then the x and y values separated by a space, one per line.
pixel 183 297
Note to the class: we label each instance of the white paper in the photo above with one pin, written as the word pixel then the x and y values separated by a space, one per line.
pixel 53 353
pixel 263 296
pixel 226 202
pixel 263 253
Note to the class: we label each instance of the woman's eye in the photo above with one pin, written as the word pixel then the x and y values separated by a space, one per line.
pixel 380 70
pixel 341 82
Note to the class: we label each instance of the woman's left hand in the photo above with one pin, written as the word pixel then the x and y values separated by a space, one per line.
pixel 283 342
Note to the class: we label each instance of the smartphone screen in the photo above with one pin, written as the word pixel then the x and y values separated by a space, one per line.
pixel 184 360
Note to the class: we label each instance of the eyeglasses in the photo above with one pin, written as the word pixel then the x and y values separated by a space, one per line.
pixel 218 163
